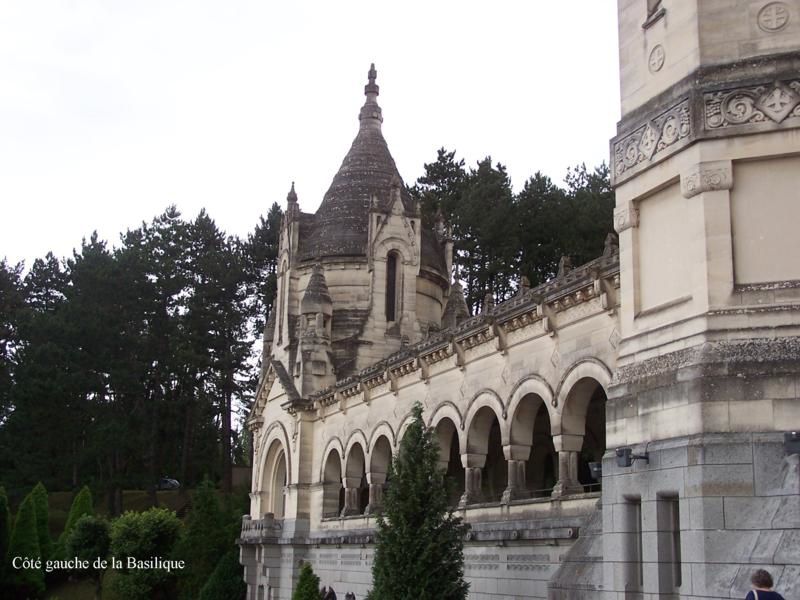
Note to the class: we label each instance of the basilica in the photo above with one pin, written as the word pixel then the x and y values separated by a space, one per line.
pixel 625 430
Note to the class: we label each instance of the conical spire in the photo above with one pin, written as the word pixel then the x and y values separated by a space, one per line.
pixel 370 115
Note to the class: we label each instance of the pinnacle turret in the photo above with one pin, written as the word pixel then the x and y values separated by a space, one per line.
pixel 370 115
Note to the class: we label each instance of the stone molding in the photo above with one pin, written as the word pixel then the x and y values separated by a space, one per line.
pixel 740 98
pixel 771 103
pixel 654 139
pixel 707 177
pixel 626 217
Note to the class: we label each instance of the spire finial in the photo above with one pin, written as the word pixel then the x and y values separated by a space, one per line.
pixel 370 115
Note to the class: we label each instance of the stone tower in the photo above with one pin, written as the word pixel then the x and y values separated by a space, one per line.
pixel 361 277
pixel 706 166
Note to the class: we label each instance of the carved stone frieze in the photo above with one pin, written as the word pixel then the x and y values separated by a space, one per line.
pixel 706 177
pixel 653 140
pixel 766 103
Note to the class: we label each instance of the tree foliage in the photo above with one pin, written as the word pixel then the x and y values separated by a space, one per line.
pixel 500 236
pixel 152 533
pixel 227 580
pixel 89 540
pixel 419 548
pixel 5 534
pixel 25 583
pixel 39 494
pixel 307 584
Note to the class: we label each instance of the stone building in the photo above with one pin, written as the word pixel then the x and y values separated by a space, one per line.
pixel 672 360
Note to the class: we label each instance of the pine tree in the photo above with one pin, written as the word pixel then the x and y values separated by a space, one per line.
pixel 39 494
pixel 419 550
pixel 25 583
pixel 307 584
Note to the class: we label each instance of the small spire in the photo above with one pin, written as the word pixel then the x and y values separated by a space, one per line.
pixel 370 115
pixel 292 195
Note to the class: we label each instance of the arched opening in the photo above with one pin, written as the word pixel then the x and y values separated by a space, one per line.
pixel 450 459
pixel 583 426
pixel 356 489
pixel 594 439
pixel 282 280
pixel 485 450
pixel 274 478
pixel 532 441
pixel 332 489
pixel 279 482
pixel 378 476
pixel 542 469
pixel 392 285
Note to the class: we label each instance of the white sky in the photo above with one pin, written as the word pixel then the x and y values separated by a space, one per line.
pixel 112 110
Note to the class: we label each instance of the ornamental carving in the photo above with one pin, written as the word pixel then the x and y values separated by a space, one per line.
pixel 626 217
pixel 706 177
pixel 773 17
pixel 652 139
pixel 752 105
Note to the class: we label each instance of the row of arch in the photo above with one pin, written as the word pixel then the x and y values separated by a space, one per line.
pixel 494 452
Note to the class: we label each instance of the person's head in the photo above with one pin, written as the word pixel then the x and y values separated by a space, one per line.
pixel 761 579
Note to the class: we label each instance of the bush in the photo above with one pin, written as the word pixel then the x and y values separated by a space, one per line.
pixel 145 535
pixel 227 580
pixel 5 535
pixel 307 584
pixel 88 541
pixel 39 494
pixel 25 583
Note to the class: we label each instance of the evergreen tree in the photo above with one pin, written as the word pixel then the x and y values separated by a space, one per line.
pixel 25 583
pixel 227 580
pixel 206 538
pixel 307 584
pixel 40 502
pixel 419 549
pixel 11 303
pixel 81 506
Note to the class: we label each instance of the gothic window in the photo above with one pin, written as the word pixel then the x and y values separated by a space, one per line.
pixel 281 294
pixel 392 285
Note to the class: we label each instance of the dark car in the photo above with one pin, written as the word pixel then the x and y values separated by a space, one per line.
pixel 166 483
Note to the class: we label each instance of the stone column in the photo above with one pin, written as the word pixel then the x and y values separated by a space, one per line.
pixel 351 493
pixel 473 463
pixel 376 481
pixel 516 457
pixel 568 447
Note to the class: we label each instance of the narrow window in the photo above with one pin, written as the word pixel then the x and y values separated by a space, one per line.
pixel 669 543
pixel 633 546
pixel 391 286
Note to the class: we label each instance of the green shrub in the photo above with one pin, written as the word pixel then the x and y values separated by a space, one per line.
pixel 24 583
pixel 143 536
pixel 88 541
pixel 227 580
pixel 307 584
pixel 39 494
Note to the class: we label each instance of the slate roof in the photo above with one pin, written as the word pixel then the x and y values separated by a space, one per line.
pixel 368 170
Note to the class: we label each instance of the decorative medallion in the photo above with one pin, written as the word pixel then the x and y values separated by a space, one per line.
pixel 656 60
pixel 773 17
pixel 778 102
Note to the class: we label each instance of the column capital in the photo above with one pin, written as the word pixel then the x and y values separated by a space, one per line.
pixel 707 176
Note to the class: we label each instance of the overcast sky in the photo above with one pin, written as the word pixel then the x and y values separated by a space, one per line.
pixel 112 110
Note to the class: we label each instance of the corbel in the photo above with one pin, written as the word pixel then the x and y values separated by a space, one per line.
pixel 458 350
pixel 548 317
pixel 392 380
pixel 501 336
pixel 424 370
